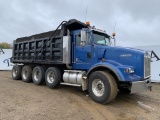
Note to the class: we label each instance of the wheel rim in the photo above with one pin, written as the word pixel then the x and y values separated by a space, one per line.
pixel 98 87
pixel 36 75
pixel 15 72
pixel 24 74
pixel 50 77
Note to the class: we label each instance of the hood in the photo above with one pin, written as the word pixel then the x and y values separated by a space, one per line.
pixel 120 53
pixel 119 56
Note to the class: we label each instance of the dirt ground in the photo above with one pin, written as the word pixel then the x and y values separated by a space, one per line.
pixel 27 101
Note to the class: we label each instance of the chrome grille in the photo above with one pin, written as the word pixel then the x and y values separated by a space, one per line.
pixel 147 66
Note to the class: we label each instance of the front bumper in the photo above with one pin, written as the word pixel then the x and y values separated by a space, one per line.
pixel 140 86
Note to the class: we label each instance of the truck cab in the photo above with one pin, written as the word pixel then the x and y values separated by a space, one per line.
pixel 87 44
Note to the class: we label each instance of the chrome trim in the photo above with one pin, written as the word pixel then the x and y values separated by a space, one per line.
pixel 66 50
pixel 76 77
pixel 73 76
pixel 147 65
pixel 98 87
pixel 140 86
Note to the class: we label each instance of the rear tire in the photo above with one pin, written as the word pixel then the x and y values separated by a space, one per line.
pixel 102 87
pixel 38 75
pixel 16 72
pixel 53 77
pixel 27 74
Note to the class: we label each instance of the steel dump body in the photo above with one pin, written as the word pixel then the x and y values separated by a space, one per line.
pixel 26 51
pixel 42 48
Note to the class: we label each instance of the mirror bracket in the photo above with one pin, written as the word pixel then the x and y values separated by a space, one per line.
pixel 83 38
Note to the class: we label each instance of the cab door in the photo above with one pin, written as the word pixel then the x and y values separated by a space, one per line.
pixel 82 51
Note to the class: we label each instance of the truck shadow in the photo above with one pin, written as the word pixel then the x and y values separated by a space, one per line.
pixel 120 99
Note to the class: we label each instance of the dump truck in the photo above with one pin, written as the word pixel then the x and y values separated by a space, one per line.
pixel 77 53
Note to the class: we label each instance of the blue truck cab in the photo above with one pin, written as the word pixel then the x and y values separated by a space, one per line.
pixel 85 56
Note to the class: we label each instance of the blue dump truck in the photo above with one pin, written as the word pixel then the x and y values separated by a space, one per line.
pixel 79 54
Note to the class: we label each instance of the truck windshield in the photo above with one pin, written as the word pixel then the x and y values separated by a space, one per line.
pixel 101 38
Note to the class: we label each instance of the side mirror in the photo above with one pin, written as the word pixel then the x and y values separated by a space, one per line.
pixel 83 38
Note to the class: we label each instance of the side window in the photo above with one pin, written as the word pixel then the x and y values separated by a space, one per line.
pixel 101 39
pixel 78 40
pixel 88 41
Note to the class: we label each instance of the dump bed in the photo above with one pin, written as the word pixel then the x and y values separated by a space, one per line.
pixel 29 51
pixel 42 50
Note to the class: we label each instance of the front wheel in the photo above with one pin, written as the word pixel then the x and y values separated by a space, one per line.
pixel 102 87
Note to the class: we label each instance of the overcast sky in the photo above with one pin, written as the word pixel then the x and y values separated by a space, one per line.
pixel 137 21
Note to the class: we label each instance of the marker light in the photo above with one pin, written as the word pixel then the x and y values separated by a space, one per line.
pixel 130 70
pixel 87 23
pixel 113 34
pixel 103 60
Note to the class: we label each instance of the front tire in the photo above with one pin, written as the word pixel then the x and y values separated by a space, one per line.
pixel 102 87
pixel 38 75
pixel 27 74
pixel 53 77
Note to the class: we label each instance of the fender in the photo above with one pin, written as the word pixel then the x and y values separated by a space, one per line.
pixel 109 66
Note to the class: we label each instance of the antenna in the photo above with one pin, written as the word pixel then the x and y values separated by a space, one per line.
pixel 115 27
pixel 86 13
pixel 114 34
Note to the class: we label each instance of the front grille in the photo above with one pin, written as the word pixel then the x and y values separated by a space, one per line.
pixel 147 66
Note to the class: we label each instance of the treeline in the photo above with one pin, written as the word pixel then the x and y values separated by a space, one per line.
pixel 5 45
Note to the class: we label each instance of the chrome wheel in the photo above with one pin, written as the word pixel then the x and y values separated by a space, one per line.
pixel 15 72
pixel 27 73
pixel 36 75
pixel 53 77
pixel 102 87
pixel 98 87
pixel 50 77
pixel 24 74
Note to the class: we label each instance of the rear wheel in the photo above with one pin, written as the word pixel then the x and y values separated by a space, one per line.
pixel 16 72
pixel 38 75
pixel 102 87
pixel 53 77
pixel 27 74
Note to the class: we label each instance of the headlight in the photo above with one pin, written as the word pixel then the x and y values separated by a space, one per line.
pixel 130 70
